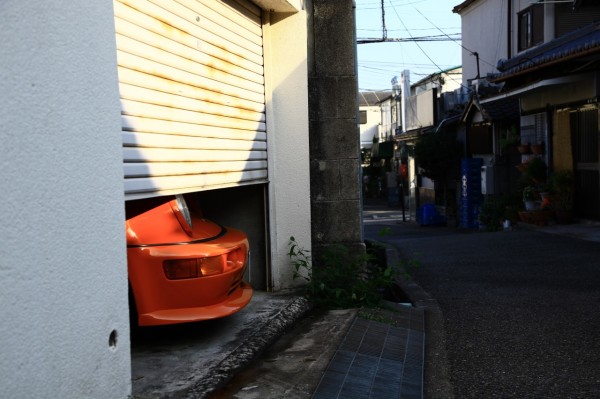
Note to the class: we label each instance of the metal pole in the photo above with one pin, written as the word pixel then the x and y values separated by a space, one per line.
pixel 401 196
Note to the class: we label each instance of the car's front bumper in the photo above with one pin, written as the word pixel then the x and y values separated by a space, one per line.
pixel 236 301
pixel 160 300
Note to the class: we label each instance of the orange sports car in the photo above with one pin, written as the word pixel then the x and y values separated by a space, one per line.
pixel 183 268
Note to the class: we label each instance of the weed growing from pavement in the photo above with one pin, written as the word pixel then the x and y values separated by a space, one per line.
pixel 344 280
pixel 404 268
pixel 385 231
pixel 380 315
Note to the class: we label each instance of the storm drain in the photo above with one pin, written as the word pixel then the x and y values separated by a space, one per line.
pixel 378 360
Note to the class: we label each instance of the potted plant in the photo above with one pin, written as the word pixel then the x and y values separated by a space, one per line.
pixel 536 170
pixel 562 188
pixel 524 149
pixel 537 148
pixel 530 199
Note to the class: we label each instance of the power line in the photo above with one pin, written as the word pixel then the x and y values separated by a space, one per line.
pixel 423 51
pixel 416 42
pixel 368 71
pixel 375 5
pixel 403 30
pixel 394 64
pixel 384 39
pixel 460 44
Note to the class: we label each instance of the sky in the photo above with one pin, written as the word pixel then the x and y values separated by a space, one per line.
pixel 378 63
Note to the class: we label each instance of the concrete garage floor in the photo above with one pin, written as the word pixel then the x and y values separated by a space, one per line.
pixel 190 360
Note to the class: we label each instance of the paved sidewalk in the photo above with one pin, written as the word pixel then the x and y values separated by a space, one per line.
pixel 378 359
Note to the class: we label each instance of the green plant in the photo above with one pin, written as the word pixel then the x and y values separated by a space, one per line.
pixel 510 138
pixel 438 157
pixel 301 261
pixel 381 315
pixel 491 214
pixel 529 193
pixel 377 254
pixel 495 211
pixel 407 267
pixel 384 231
pixel 561 183
pixel 343 280
pixel 535 171
pixel 437 154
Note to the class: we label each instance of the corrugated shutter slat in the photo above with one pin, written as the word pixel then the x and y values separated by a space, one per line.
pixel 191 80
pixel 146 81
pixel 187 50
pixel 190 168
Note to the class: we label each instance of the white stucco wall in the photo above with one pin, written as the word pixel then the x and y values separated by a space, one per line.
pixel 488 16
pixel 386 128
pixel 370 129
pixel 285 38
pixel 452 80
pixel 63 272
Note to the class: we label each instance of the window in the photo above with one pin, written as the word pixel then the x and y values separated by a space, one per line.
pixel 363 117
pixel 531 26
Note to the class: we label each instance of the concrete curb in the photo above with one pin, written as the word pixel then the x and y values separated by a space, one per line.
pixel 262 336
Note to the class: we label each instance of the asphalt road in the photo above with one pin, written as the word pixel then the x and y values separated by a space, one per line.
pixel 520 309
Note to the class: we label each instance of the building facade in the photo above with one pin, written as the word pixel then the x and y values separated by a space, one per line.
pixel 431 106
pixel 538 83
pixel 233 102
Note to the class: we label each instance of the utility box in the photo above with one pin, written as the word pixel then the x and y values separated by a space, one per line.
pixel 471 197
pixel 487 180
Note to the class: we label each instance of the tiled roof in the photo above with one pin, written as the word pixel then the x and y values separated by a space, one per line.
pixel 370 98
pixel 457 9
pixel 575 44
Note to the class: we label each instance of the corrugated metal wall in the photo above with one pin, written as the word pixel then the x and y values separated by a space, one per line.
pixel 586 142
pixel 192 93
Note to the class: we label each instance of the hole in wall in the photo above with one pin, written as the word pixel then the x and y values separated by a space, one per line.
pixel 112 340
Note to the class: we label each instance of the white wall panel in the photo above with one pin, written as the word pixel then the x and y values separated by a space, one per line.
pixel 63 286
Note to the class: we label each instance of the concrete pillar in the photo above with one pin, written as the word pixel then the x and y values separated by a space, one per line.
pixel 336 203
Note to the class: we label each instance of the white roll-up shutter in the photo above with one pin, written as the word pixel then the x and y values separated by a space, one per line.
pixel 192 95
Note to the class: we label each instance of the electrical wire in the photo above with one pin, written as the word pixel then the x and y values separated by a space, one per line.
pixel 375 5
pixel 443 33
pixel 416 43
pixel 373 69
pixel 404 30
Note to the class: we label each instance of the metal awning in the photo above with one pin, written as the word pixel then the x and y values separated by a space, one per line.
pixel 506 105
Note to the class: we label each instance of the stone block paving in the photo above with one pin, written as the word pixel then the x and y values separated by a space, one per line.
pixel 378 360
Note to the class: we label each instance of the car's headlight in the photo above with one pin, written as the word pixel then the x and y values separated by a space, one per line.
pixel 180 269
pixel 181 211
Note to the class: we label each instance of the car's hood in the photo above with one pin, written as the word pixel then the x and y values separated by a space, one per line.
pixel 160 226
